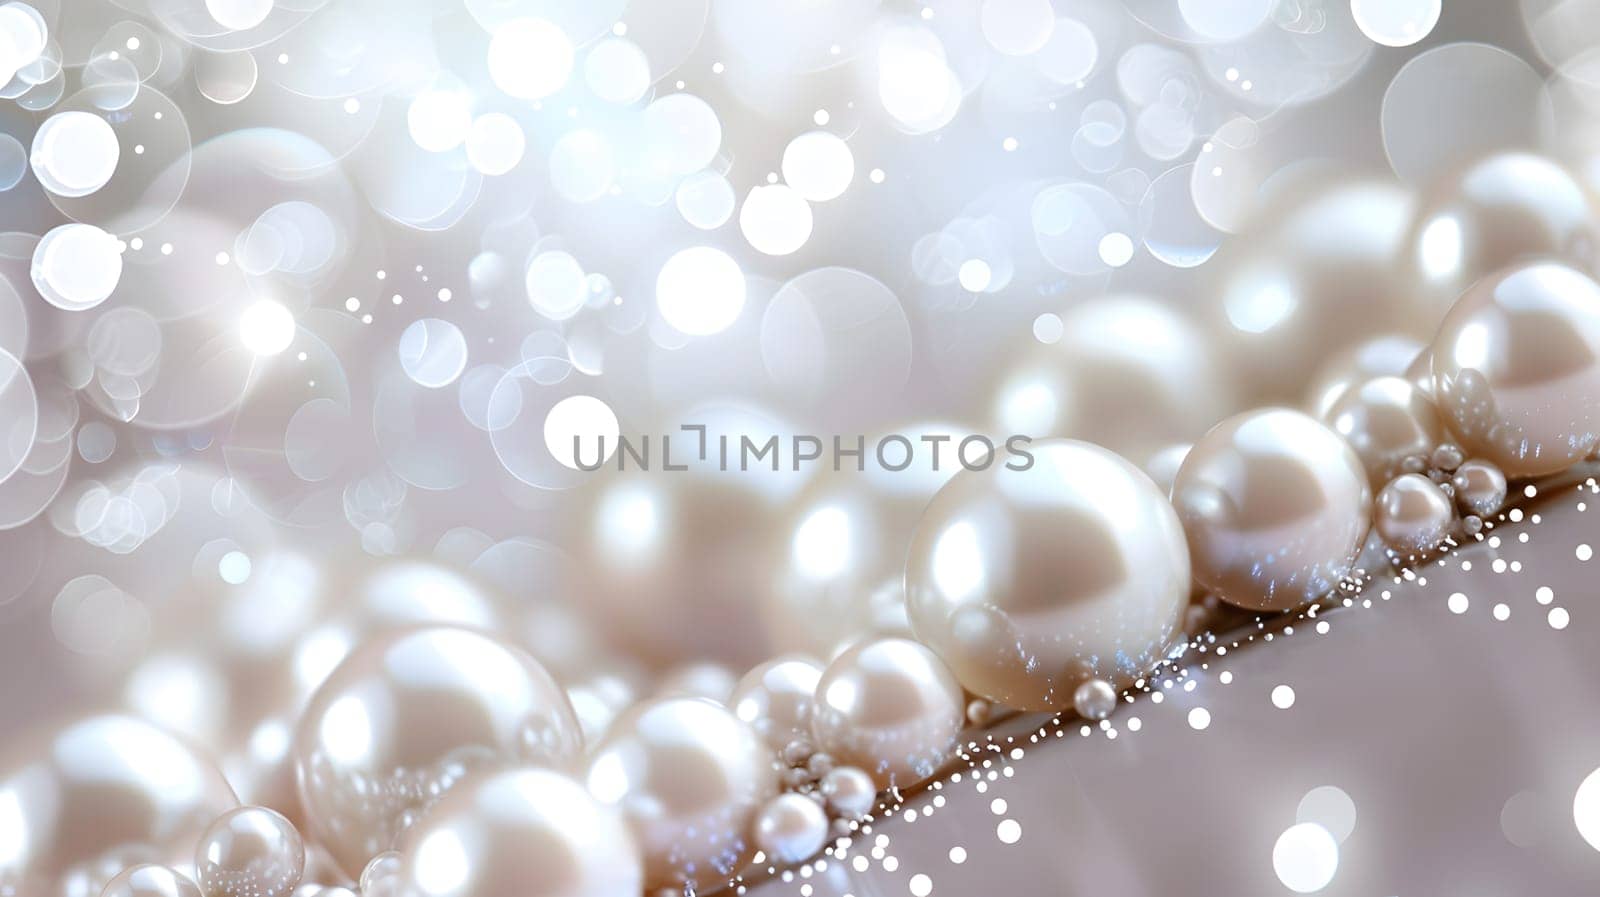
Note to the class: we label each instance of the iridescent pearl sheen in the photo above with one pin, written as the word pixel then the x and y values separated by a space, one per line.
pixel 1028 582
pixel 410 713
pixel 851 794
pixel 527 832
pixel 688 776
pixel 1381 356
pixel 1516 368
pixel 1413 515
pixel 1094 699
pixel 776 697
pixel 1480 487
pixel 250 852
pixel 1386 420
pixel 890 707
pixel 150 881
pixel 97 796
pixel 1276 507
pixel 790 828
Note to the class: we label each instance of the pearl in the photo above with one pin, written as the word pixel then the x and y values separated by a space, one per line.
pixel 382 875
pixel 850 793
pixel 1094 699
pixel 776 697
pixel 1129 373
pixel 688 776
pixel 1480 488
pixel 97 795
pixel 1028 582
pixel 530 832
pixel 1516 368
pixel 1382 356
pixel 1276 507
pixel 150 881
pixel 1413 515
pixel 409 713
pixel 1500 210
pixel 250 852
pixel 891 707
pixel 1386 420
pixel 790 828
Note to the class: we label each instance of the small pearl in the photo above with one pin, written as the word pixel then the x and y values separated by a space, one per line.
pixel 790 828
pixel 849 792
pixel 1094 699
pixel 250 852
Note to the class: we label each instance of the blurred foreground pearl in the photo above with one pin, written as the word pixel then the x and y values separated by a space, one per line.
pixel 851 794
pixel 1502 209
pixel 891 707
pixel 790 828
pixel 1276 507
pixel 1028 582
pixel 1386 420
pixel 776 697
pixel 88 800
pixel 250 852
pixel 409 713
pixel 688 776
pixel 1094 699
pixel 1480 488
pixel 151 881
pixel 525 832
pixel 1413 515
pixel 1516 368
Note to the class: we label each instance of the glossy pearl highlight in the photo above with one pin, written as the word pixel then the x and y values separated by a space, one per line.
pixel 1029 582
pixel 1275 506
pixel 1413 515
pixel 527 832
pixel 1480 488
pixel 790 828
pixel 250 852
pixel 1386 420
pixel 776 698
pixel 1516 369
pixel 405 717
pixel 150 881
pixel 892 708
pixel 688 777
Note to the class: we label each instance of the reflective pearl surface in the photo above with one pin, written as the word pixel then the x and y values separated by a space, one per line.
pixel 890 707
pixel 527 832
pixel 1500 210
pixel 688 776
pixel 1516 368
pixel 81 804
pixel 790 828
pixel 1028 582
pixel 1413 515
pixel 851 794
pixel 1094 699
pixel 407 715
pixel 250 852
pixel 1480 488
pixel 150 881
pixel 1275 506
pixel 776 698
pixel 1381 356
pixel 1386 420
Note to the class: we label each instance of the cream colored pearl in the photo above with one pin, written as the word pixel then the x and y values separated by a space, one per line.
pixel 250 852
pixel 97 792
pixel 892 708
pixel 1480 488
pixel 1028 582
pixel 1386 420
pixel 790 828
pixel 405 717
pixel 1094 699
pixel 527 832
pixel 150 881
pixel 776 697
pixel 1413 515
pixel 1516 368
pixel 851 794
pixel 688 776
pixel 1500 210
pixel 1275 506
pixel 1381 356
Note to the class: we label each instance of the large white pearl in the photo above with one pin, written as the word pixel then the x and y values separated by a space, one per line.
pixel 689 777
pixel 250 852
pixel 891 707
pixel 150 881
pixel 405 717
pixel 776 697
pixel 97 796
pixel 1028 582
pixel 1386 420
pixel 1500 210
pixel 1516 368
pixel 1276 507
pixel 526 832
